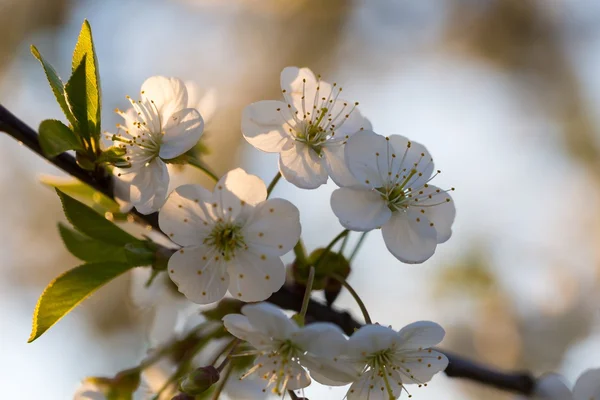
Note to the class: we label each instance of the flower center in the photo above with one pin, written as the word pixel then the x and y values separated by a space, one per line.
pixel 226 238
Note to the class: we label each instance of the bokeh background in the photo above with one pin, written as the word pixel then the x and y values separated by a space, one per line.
pixel 504 93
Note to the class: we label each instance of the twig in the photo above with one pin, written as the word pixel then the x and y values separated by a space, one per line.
pixel 459 367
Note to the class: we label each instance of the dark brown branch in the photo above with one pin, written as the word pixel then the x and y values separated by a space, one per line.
pixel 459 367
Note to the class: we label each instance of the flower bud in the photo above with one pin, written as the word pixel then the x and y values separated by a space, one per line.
pixel 183 396
pixel 199 380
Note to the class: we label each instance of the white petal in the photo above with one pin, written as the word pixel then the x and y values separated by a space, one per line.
pixel 148 190
pixel 181 132
pixel 437 209
pixel 321 339
pixel 236 190
pixel 552 387
pixel 366 155
pixel 199 274
pixel 168 94
pixel 419 367
pixel 353 124
pixel 410 237
pixel 372 386
pixel 301 166
pixel 295 376
pixel 336 165
pixel 410 157
pixel 273 227
pixel 299 83
pixel 205 101
pixel 255 277
pixel 266 128
pixel 587 386
pixel 371 339
pixel 359 209
pixel 185 217
pixel 421 335
pixel 332 371
pixel 239 326
pixel 270 320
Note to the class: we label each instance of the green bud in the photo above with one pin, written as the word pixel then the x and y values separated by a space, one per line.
pixel 199 380
pixel 325 265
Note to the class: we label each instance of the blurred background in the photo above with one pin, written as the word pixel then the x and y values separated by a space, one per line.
pixel 504 93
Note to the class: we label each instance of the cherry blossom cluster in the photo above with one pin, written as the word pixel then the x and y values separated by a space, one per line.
pixel 231 239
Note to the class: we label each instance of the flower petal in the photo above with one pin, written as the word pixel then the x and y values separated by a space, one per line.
pixel 266 124
pixel 587 386
pixel 303 90
pixel 366 155
pixel 359 209
pixel 270 320
pixel 186 216
pixel 182 131
pixel 437 205
pixel 371 339
pixel 273 227
pixel 239 326
pixel 372 386
pixel 148 189
pixel 412 155
pixel 236 190
pixel 199 274
pixel 321 339
pixel 333 155
pixel 168 95
pixel 421 335
pixel 410 237
pixel 294 375
pixel 255 277
pixel 419 367
pixel 301 166
pixel 332 371
pixel 552 386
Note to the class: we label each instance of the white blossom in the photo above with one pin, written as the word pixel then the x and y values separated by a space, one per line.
pixel 392 191
pixel 553 387
pixel 159 127
pixel 232 238
pixel 282 346
pixel 380 361
pixel 309 128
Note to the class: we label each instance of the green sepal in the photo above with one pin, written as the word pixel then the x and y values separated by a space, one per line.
pixel 114 155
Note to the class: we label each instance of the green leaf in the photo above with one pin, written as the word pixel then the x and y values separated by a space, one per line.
pixel 92 250
pixel 89 196
pixel 85 52
pixel 114 155
pixel 68 290
pixel 77 98
pixel 56 138
pixel 56 85
pixel 88 222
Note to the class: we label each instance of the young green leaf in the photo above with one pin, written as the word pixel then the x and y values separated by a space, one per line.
pixel 56 138
pixel 114 155
pixel 55 84
pixel 88 222
pixel 92 250
pixel 69 289
pixel 77 98
pixel 86 194
pixel 85 51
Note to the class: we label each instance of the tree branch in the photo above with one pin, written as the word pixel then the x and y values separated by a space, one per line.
pixel 286 297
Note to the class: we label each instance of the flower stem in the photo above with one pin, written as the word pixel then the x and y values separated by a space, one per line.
pixel 360 242
pixel 229 348
pixel 196 163
pixel 357 298
pixel 307 291
pixel 219 388
pixel 344 243
pixel 273 183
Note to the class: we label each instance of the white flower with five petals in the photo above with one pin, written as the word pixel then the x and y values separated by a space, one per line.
pixel 283 348
pixel 392 191
pixel 159 127
pixel 309 129
pixel 232 238
pixel 380 361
